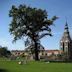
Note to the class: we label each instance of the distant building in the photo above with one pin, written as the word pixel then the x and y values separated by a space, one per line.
pixel 52 52
pixel 42 54
pixel 66 42
pixel 17 52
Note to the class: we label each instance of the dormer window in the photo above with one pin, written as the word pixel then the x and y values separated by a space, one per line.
pixel 67 41
pixel 61 41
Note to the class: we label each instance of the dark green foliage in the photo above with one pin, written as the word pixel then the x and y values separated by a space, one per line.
pixel 4 52
pixel 31 23
pixel 3 70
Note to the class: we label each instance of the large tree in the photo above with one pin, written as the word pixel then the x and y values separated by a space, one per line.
pixel 31 23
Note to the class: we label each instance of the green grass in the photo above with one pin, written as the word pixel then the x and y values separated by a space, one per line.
pixel 13 66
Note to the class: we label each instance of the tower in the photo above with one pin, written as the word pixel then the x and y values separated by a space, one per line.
pixel 66 42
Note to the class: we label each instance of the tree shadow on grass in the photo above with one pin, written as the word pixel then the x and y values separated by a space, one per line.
pixel 3 70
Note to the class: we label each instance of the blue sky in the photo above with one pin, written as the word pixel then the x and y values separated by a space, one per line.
pixel 60 8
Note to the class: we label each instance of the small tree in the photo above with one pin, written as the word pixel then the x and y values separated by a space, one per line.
pixel 31 23
pixel 4 52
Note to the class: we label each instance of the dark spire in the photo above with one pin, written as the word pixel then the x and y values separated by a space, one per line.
pixel 66 35
pixel 66 27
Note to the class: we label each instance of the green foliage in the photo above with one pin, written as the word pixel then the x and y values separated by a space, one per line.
pixel 28 21
pixel 31 23
pixel 4 52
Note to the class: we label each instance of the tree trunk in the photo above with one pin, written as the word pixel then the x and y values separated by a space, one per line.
pixel 36 51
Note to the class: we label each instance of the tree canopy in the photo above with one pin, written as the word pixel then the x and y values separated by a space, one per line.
pixel 31 23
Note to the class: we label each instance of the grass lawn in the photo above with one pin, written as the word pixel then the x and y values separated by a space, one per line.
pixel 13 66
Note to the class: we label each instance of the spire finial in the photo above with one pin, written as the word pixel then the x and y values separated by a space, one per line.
pixel 66 20
pixel 66 24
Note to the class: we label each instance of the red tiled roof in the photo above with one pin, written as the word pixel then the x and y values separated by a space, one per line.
pixel 53 50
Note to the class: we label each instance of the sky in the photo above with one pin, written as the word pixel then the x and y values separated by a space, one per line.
pixel 60 8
